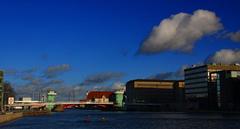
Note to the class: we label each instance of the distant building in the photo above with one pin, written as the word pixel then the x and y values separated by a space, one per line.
pixel 51 96
pixel 24 103
pixel 1 91
pixel 25 99
pixel 199 95
pixel 119 98
pixel 11 100
pixel 226 90
pixel 154 95
pixel 100 96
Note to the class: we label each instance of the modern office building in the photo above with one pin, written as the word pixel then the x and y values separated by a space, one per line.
pixel 199 95
pixel 1 91
pixel 226 90
pixel 154 95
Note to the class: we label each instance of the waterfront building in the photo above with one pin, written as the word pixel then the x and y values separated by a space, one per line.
pixel 154 95
pixel 100 100
pixel 198 92
pixel 119 97
pixel 26 100
pixel 226 90
pixel 24 103
pixel 1 91
pixel 51 96
pixel 100 97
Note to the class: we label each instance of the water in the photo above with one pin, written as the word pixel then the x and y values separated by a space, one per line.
pixel 79 119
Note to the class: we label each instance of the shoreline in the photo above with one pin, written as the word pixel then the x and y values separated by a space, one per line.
pixel 12 116
pixel 5 118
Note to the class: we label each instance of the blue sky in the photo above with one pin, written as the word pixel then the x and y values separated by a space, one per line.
pixel 102 36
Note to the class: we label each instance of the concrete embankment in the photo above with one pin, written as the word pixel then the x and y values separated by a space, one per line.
pixel 10 117
pixel 36 113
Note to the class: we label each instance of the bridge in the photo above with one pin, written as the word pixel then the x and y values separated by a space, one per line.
pixel 63 104
pixel 85 105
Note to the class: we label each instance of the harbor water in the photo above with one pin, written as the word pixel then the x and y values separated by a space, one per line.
pixel 83 119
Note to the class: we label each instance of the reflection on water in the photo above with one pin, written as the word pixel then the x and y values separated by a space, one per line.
pixel 78 119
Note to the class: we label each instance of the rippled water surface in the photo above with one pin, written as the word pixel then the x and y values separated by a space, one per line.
pixel 79 119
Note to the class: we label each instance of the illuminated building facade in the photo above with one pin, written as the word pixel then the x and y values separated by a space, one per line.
pixel 154 95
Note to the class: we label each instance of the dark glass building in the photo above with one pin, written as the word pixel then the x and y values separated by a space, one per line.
pixel 198 91
pixel 154 95
pixel 226 90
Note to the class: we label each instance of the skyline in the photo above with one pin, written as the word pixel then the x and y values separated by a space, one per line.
pixel 72 43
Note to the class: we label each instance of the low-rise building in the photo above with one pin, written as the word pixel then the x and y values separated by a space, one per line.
pixel 119 98
pixel 154 95
pixel 51 96
pixel 100 97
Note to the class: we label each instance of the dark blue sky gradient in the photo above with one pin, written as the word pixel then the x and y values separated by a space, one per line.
pixel 96 36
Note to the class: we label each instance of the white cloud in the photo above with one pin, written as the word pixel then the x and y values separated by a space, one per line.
pixel 181 31
pixel 225 56
pixel 100 78
pixel 177 75
pixel 54 71
pixel 235 36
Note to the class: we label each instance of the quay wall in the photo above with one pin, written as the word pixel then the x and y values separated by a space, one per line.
pixel 36 113
pixel 10 117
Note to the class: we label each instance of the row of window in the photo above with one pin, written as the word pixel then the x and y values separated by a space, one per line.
pixel 197 95
pixel 198 70
pixel 194 81
pixel 196 85
pixel 196 75
pixel 197 90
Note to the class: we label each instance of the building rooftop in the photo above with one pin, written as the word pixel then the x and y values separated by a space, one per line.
pixel 155 80
pixel 99 94
pixel 215 66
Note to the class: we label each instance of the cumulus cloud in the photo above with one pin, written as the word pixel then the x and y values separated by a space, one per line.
pixel 180 32
pixel 179 74
pixel 114 87
pixel 40 87
pixel 118 86
pixel 234 36
pixel 18 74
pixel 69 92
pixel 54 71
pixel 225 56
pixel 100 78
pixel 54 82
pixel 163 76
pixel 31 82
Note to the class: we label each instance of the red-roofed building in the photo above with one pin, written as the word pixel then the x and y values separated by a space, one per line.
pixel 100 96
